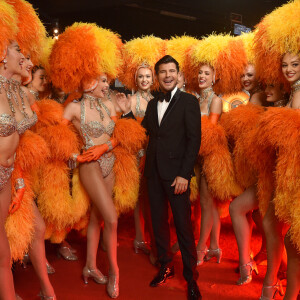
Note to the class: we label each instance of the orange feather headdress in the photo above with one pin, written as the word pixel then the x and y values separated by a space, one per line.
pixel 83 52
pixel 140 52
pixel 224 54
pixel 32 32
pixel 8 27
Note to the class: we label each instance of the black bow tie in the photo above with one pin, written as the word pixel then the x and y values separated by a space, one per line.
pixel 164 96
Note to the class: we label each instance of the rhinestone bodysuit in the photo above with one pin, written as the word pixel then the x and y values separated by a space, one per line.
pixel 95 129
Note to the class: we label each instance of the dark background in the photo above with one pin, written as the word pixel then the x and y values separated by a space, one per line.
pixel 142 17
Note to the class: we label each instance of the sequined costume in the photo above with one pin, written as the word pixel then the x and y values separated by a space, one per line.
pixel 95 129
pixel 5 174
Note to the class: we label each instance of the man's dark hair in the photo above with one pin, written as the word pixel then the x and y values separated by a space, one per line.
pixel 165 60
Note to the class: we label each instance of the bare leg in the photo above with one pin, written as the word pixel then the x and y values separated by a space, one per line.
pixel 215 232
pixel 262 254
pixel 93 237
pixel 293 270
pixel 7 291
pixel 275 245
pixel 239 209
pixel 37 254
pixel 100 192
pixel 206 203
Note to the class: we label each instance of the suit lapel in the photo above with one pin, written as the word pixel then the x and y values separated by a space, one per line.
pixel 171 106
pixel 155 112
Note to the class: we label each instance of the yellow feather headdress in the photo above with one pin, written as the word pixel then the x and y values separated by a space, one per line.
pixel 146 51
pixel 225 54
pixel 278 33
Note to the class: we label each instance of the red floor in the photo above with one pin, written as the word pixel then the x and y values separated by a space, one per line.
pixel 216 281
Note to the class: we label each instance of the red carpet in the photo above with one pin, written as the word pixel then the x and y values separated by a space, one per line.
pixel 216 281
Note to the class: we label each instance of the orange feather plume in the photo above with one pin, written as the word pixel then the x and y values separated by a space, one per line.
pixel 32 33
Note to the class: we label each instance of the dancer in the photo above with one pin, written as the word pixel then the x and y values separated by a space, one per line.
pixel 100 169
pixel 281 136
pixel 20 106
pixel 210 66
pixel 242 206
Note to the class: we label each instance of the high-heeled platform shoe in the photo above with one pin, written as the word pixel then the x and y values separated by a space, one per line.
pixel 272 290
pixel 25 260
pixel 43 297
pixel 141 246
pixel 112 287
pixel 217 253
pixel 96 275
pixel 246 272
pixel 66 253
pixel 200 256
pixel 50 269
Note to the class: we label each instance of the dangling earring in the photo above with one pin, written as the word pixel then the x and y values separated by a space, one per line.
pixel 4 62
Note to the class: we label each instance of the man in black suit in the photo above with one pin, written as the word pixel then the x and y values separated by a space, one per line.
pixel 173 123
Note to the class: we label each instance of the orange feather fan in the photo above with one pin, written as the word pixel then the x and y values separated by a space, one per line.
pixel 22 221
pixel 217 162
pixel 130 135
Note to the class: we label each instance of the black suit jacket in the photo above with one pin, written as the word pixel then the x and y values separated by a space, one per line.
pixel 174 145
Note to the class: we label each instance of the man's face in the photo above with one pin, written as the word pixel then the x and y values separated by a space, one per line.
pixel 167 76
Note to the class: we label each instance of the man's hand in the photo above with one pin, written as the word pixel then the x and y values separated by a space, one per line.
pixel 181 185
pixel 124 102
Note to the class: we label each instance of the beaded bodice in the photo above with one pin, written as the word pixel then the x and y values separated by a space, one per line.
pixel 8 125
pixel 27 123
pixel 209 101
pixel 94 129
pixel 141 112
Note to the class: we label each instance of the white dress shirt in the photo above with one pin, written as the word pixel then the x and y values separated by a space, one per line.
pixel 162 106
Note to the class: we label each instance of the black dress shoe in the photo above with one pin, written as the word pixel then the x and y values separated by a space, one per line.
pixel 163 274
pixel 193 291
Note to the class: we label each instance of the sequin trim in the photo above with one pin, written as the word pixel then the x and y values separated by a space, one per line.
pixel 5 174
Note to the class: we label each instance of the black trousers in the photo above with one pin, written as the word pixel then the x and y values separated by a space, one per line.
pixel 160 192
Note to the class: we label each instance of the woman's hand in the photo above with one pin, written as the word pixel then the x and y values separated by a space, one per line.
pixel 124 102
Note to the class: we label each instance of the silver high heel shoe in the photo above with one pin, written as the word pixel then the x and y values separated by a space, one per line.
pixel 96 275
pixel 25 260
pixel 141 246
pixel 112 287
pixel 200 256
pixel 217 253
pixel 50 269
pixel 246 272
pixel 43 297
pixel 66 253
pixel 273 289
